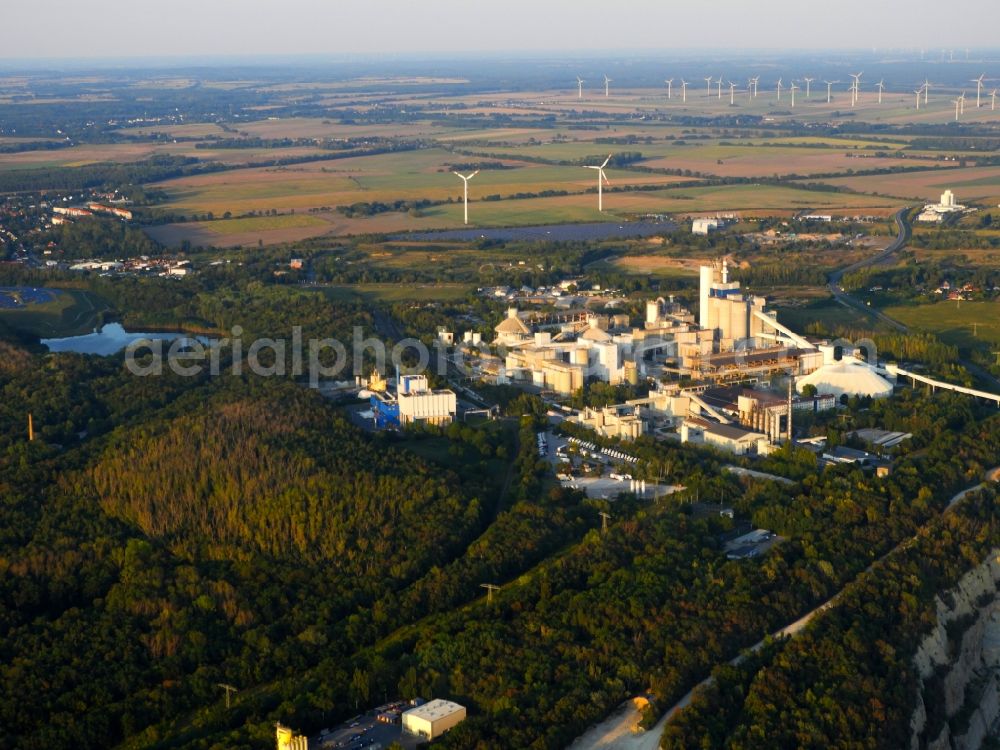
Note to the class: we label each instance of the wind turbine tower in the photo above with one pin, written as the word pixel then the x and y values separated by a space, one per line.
pixel 881 88
pixel 979 87
pixel 490 588
pixel 670 85
pixel 856 88
pixel 708 86
pixel 465 184
pixel 918 92
pixel 927 88
pixel 732 93
pixel 957 103
pixel 779 89
pixel 993 100
pixel 601 179
pixel 579 84
pixel 604 521
pixel 808 83
pixel 829 86
pixel 793 88
pixel 719 84
pixel 606 89
pixel 756 80
pixel 684 91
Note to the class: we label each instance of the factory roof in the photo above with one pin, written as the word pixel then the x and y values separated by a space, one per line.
pixel 512 324
pixel 849 377
pixel 434 710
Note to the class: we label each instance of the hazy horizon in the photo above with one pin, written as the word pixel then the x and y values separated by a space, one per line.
pixel 254 29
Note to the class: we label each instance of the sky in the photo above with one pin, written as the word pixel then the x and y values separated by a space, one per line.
pixel 33 29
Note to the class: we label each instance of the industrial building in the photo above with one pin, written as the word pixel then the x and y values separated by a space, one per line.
pixel 621 421
pixel 433 718
pixel 936 212
pixel 847 377
pixel 289 740
pixel 727 437
pixel 414 401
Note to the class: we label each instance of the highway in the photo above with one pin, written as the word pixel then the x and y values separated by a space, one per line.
pixel 903 236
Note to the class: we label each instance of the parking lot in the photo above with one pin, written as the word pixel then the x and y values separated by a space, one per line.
pixel 365 732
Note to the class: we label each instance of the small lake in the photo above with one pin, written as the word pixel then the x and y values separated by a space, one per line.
pixel 551 232
pixel 111 339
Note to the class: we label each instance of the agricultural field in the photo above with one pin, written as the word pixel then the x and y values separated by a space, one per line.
pixel 970 184
pixel 407 176
pixel 964 324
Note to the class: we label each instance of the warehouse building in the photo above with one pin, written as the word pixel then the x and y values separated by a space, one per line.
pixel 433 719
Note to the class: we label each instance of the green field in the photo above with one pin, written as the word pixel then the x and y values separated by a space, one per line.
pixel 72 313
pixel 964 324
pixel 262 223
pixel 397 292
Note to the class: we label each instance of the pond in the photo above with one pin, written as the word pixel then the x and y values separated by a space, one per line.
pixel 111 339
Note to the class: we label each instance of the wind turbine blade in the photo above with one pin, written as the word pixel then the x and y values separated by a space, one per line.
pixel 606 180
pixel 606 161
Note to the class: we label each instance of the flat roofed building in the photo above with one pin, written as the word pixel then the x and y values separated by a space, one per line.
pixel 433 718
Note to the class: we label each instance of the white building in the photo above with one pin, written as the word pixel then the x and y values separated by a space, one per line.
pixel 433 719
pixel 935 212
pixel 728 437
pixel 418 403
pixel 704 226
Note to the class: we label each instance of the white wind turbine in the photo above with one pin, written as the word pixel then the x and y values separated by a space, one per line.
pixel 465 184
pixel 719 84
pixel 927 88
pixel 793 88
pixel 732 93
pixel 579 84
pixel 979 87
pixel 881 88
pixel 993 100
pixel 708 86
pixel 756 80
pixel 829 85
pixel 684 91
pixel 962 100
pixel 957 103
pixel 606 89
pixel 856 88
pixel 779 89
pixel 918 92
pixel 670 85
pixel 808 83
pixel 600 185
pixel 750 90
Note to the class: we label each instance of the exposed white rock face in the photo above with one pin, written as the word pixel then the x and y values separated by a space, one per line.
pixel 967 664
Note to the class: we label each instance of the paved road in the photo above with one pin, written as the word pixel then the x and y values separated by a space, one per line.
pixel 615 732
pixel 903 236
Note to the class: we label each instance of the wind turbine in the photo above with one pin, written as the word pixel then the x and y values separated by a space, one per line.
pixel 684 91
pixel 793 88
pixel 829 85
pixel 732 93
pixel 808 83
pixel 719 83
pixel 957 103
pixel 779 89
pixel 881 87
pixel 670 85
pixel 856 87
pixel 962 100
pixel 465 183
pixel 579 83
pixel 756 80
pixel 600 186
pixel 708 86
pixel 993 100
pixel 606 82
pixel 979 87
pixel 918 92
pixel 927 88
